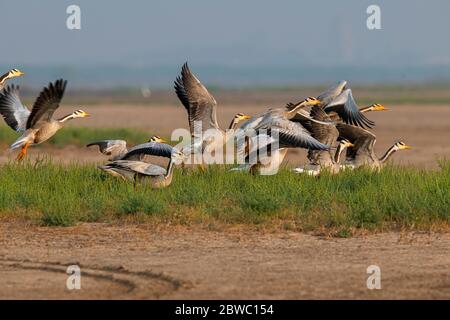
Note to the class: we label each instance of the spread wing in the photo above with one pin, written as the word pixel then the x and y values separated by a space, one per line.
pixel 12 109
pixel 199 103
pixel 345 106
pixel 152 149
pixel 327 134
pixel 305 118
pixel 47 102
pixel 331 93
pixel 112 148
pixel 362 139
pixel 293 135
pixel 144 168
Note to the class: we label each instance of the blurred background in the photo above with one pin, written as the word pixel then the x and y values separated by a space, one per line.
pixel 232 44
pixel 250 54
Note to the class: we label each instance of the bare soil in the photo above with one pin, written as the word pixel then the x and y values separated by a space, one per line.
pixel 165 262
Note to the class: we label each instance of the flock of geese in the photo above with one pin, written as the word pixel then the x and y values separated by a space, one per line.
pixel 326 125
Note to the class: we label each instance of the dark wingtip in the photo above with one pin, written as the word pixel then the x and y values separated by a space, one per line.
pixel 7 90
pixel 61 84
pixel 178 83
pixel 181 91
pixel 96 143
pixel 185 69
pixel 367 123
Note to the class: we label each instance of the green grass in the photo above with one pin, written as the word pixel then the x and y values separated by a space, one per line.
pixel 396 198
pixel 82 136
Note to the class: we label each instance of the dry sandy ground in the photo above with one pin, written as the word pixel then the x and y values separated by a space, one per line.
pixel 426 128
pixel 135 261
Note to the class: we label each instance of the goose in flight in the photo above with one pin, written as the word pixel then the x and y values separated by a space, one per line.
pixel 363 153
pixel 330 164
pixel 201 108
pixel 339 103
pixel 38 125
pixel 277 124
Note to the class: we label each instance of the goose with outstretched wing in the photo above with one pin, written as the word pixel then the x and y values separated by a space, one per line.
pixel 38 125
pixel 116 149
pixel 201 108
pixel 339 103
pixel 146 173
pixel 277 123
pixel 327 134
pixel 363 153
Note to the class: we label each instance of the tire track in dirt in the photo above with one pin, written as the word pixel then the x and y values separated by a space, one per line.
pixel 121 283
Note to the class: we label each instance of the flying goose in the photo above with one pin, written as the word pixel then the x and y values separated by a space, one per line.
pixel 201 108
pixel 277 123
pixel 363 154
pixel 36 126
pixel 339 103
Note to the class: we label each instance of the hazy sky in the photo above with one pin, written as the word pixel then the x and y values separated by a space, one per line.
pixel 228 33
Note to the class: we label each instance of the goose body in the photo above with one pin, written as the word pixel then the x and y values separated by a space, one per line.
pixel 314 168
pixel 146 173
pixel 38 125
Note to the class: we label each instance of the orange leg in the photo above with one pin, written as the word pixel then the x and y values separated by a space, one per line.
pixel 23 152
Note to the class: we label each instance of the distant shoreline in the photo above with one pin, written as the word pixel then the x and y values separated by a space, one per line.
pixel 233 77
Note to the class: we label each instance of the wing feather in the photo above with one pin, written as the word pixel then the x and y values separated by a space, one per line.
pixel 327 134
pixel 360 138
pixel 331 93
pixel 345 106
pixel 199 103
pixel 12 109
pixel 114 148
pixel 294 135
pixel 47 102
pixel 144 168
pixel 152 149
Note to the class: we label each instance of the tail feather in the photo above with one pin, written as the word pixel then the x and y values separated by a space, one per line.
pixel 20 142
